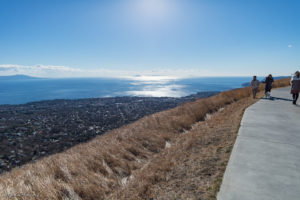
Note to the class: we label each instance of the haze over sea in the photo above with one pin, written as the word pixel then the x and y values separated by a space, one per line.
pixel 24 89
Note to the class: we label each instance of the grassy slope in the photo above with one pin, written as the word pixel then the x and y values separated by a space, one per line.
pixel 134 162
pixel 192 168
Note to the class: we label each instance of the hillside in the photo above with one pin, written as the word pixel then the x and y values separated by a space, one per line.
pixel 180 153
pixel 34 130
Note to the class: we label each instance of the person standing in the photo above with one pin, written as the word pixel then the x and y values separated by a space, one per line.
pixel 295 89
pixel 269 81
pixel 254 84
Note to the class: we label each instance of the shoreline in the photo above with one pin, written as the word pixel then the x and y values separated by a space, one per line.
pixel 193 96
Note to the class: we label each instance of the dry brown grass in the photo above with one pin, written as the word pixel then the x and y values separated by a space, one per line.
pixel 192 168
pixel 132 162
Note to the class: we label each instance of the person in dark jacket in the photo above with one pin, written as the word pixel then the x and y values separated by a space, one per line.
pixel 269 81
pixel 295 89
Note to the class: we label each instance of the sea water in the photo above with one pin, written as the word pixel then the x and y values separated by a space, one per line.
pixel 23 89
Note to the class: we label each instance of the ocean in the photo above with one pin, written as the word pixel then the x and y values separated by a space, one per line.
pixel 23 89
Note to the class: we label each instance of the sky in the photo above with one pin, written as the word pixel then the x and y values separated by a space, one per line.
pixel 170 38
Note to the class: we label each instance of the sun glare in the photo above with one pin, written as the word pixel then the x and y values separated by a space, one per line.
pixel 152 12
pixel 152 8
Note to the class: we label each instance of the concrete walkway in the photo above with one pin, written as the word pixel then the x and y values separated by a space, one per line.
pixel 265 161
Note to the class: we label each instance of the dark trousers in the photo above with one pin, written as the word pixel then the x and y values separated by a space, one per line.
pixel 295 97
pixel 267 90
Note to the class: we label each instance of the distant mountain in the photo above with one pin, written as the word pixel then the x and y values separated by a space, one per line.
pixel 246 84
pixel 280 77
pixel 17 77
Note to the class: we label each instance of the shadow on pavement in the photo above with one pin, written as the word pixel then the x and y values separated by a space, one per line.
pixel 276 98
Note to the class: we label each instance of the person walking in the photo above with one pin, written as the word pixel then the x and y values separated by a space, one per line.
pixel 269 81
pixel 295 89
pixel 254 84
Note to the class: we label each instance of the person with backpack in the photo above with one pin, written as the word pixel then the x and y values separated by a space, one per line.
pixel 268 87
pixel 295 89
pixel 254 84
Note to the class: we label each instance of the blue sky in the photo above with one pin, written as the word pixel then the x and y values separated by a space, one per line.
pixel 179 38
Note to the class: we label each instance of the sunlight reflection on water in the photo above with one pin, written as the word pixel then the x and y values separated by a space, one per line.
pixel 154 86
pixel 158 90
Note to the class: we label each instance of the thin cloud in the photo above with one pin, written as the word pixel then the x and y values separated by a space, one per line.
pixel 51 71
pixel 37 70
pixel 157 75
pixel 290 46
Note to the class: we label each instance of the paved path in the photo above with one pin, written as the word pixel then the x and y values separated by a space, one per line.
pixel 265 161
